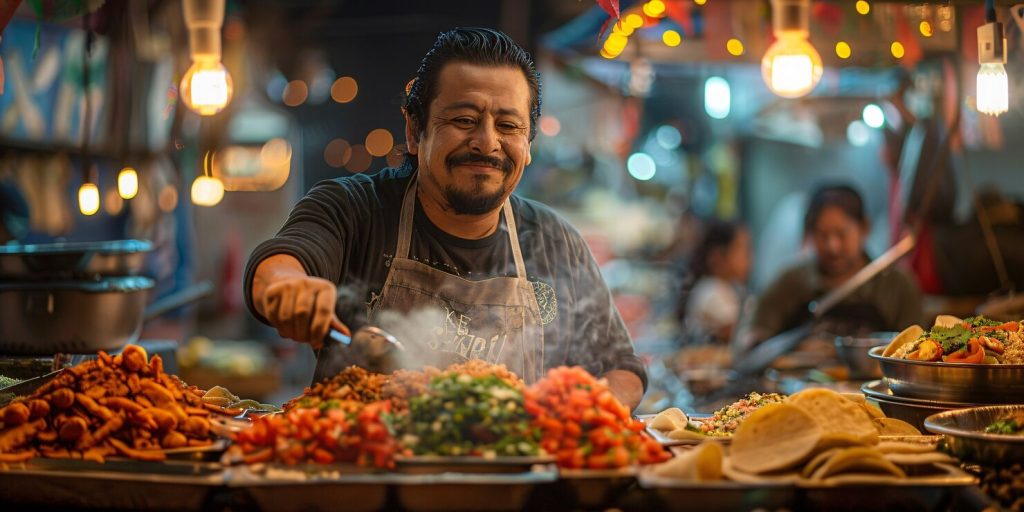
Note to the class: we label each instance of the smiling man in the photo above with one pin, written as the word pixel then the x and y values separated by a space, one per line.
pixel 508 279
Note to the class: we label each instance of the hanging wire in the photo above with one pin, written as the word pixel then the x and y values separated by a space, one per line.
pixel 86 131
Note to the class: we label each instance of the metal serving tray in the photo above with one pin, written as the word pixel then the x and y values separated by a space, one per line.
pixel 966 438
pixel 725 496
pixel 116 484
pixel 933 487
pixel 311 487
pixel 596 489
pixel 952 383
pixel 439 464
pixel 463 491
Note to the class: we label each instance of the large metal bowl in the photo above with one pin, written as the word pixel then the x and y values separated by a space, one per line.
pixel 71 317
pixel 72 260
pixel 966 438
pixel 910 410
pixel 953 382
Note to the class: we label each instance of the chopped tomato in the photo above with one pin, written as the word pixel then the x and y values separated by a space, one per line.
pixel 972 353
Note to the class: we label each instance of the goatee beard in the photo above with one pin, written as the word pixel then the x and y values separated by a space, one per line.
pixel 472 203
pixel 476 201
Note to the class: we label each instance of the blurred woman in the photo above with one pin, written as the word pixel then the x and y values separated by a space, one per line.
pixel 717 283
pixel 837 228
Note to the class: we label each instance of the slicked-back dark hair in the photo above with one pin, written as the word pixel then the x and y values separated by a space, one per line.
pixel 844 197
pixel 479 46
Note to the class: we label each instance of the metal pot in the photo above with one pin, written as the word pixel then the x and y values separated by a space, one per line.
pixel 952 382
pixel 72 317
pixel 73 260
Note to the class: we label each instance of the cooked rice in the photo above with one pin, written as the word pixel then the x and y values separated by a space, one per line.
pixel 1014 351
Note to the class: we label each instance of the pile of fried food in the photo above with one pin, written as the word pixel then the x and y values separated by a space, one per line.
pixel 816 435
pixel 124 405
pixel 975 340
pixel 674 424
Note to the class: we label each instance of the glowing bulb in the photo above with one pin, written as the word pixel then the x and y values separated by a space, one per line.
pixel 89 199
pixel 641 166
pixel 654 8
pixel 896 48
pixel 734 47
pixel 717 97
pixel 127 183
pixel 615 43
pixel 207 191
pixel 843 50
pixel 671 38
pixel 858 134
pixel 206 87
pixel 700 2
pixel 791 67
pixel 925 28
pixel 873 115
pixel 863 7
pixel 635 21
pixel 993 89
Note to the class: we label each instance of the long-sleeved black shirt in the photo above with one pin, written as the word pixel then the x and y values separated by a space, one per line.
pixel 346 230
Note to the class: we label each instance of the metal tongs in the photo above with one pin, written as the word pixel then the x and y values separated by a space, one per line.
pixel 374 341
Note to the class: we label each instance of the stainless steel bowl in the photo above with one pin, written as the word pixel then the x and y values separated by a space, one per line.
pixel 910 410
pixel 947 382
pixel 72 317
pixel 73 260
pixel 853 352
pixel 966 438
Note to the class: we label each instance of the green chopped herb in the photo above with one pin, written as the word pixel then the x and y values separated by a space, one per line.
pixel 1004 426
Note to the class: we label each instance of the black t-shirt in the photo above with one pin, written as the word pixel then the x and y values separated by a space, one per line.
pixel 346 230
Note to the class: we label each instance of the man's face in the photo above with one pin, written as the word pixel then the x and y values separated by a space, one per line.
pixel 838 240
pixel 475 142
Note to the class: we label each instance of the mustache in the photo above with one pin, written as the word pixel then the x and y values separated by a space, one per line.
pixel 504 164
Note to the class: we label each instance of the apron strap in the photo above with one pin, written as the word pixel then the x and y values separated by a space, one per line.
pixel 406 221
pixel 513 235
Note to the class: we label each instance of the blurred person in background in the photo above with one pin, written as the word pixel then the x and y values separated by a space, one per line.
pixel 837 227
pixel 716 285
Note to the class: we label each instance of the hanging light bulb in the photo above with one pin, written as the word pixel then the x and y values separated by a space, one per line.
pixel 207 191
pixel 127 183
pixel 993 89
pixel 88 198
pixel 993 85
pixel 206 87
pixel 791 67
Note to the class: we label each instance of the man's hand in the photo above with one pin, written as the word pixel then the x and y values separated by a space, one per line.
pixel 300 307
pixel 626 386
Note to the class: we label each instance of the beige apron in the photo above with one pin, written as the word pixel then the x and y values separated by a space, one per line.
pixel 496 319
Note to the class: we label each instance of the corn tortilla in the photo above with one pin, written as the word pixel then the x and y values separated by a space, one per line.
pixel 908 335
pixel 895 427
pixel 701 464
pixel 774 438
pixel 841 420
